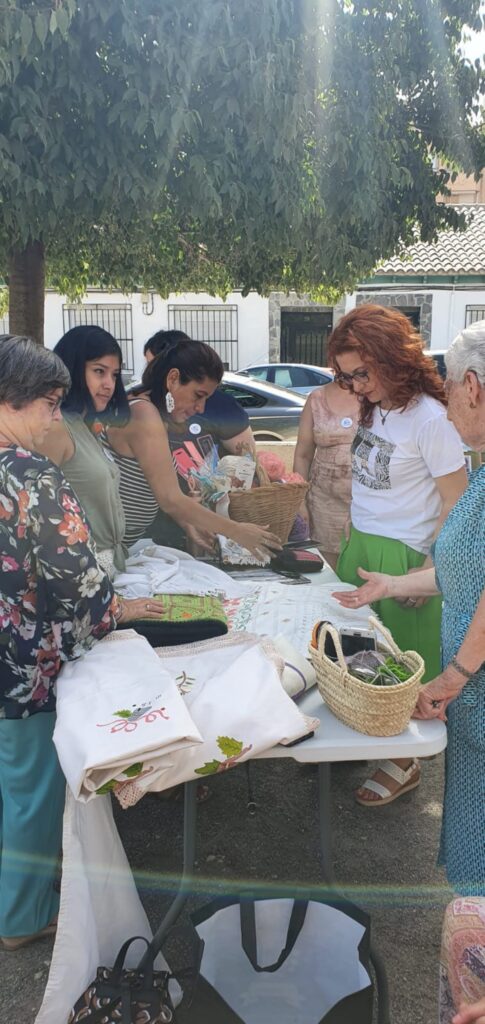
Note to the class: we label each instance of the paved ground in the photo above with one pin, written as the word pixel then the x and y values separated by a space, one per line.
pixel 385 859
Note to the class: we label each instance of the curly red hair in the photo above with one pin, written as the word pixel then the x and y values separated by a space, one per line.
pixel 387 341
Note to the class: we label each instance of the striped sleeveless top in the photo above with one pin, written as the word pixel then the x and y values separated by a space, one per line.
pixel 139 502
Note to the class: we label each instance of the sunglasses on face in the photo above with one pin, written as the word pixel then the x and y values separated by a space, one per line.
pixel 347 380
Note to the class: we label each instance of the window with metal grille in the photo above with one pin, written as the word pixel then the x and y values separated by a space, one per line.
pixel 474 313
pixel 115 318
pixel 214 324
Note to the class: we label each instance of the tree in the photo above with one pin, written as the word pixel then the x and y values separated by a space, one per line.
pixel 270 143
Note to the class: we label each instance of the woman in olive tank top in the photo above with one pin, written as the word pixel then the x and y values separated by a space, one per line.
pixel 94 359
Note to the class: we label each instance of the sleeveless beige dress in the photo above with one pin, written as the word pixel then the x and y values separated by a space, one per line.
pixel 329 494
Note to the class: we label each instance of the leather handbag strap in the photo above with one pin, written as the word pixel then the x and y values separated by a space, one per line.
pixel 248 933
pixel 148 959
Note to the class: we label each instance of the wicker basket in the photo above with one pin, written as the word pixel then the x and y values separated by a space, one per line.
pixel 271 504
pixel 373 710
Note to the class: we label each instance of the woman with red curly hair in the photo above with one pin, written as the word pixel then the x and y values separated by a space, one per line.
pixel 407 473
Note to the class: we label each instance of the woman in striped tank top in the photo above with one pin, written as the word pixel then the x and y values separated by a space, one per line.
pixel 175 385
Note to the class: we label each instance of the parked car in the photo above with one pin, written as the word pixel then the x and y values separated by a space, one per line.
pixel 299 377
pixel 274 412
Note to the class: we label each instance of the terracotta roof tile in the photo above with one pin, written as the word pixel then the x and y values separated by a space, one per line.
pixel 454 252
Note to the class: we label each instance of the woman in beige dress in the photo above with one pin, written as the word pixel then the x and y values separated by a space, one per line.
pixel 322 456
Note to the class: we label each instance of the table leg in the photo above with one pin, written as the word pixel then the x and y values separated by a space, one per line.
pixel 178 903
pixel 325 827
pixel 325 821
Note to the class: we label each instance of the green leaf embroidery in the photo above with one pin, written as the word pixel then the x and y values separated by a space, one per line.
pixel 134 769
pixel 106 787
pixel 228 746
pixel 210 768
pixel 124 713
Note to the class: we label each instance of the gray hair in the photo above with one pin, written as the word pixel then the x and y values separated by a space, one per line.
pixel 467 352
pixel 28 371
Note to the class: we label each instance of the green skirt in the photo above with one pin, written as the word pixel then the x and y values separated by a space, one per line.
pixel 414 629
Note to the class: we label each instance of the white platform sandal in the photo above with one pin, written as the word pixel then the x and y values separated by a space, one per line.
pixel 408 780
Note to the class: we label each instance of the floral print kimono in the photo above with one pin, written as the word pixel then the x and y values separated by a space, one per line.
pixel 55 601
pixel 54 598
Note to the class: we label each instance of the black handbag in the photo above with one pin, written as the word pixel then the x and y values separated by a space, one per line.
pixel 119 995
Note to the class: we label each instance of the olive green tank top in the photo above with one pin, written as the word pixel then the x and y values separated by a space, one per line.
pixel 94 477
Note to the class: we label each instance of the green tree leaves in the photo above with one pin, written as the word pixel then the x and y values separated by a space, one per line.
pixel 270 143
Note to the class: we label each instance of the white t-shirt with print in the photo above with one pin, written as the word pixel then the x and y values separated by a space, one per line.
pixel 394 468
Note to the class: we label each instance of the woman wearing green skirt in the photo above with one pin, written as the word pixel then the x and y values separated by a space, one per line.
pixel 407 473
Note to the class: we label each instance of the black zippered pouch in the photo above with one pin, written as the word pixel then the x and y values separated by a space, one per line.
pixel 297 560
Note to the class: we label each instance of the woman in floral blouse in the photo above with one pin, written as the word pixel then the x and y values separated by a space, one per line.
pixel 55 601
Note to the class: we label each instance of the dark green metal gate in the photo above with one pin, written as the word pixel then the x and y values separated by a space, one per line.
pixel 304 337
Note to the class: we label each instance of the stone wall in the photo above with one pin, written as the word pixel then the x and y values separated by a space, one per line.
pixel 422 300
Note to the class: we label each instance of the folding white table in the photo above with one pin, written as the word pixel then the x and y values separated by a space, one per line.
pixel 332 742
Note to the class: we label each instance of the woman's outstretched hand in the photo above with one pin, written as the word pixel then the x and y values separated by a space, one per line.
pixel 376 587
pixel 257 539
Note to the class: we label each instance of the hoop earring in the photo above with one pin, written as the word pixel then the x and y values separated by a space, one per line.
pixel 169 402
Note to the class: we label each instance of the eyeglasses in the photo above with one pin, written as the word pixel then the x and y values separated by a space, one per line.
pixel 347 380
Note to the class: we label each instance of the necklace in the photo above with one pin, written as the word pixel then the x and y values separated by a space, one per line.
pixel 382 414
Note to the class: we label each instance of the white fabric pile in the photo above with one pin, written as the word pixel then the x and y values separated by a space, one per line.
pixel 130 721
pixel 154 569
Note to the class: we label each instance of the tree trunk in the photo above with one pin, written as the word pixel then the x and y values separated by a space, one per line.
pixel 26 281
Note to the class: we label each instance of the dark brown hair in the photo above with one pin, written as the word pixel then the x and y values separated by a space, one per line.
pixel 388 342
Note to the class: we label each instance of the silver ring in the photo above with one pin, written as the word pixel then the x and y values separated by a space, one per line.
pixel 411 601
pixel 147 606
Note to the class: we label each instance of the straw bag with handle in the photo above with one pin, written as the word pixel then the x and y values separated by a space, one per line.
pixel 271 504
pixel 373 710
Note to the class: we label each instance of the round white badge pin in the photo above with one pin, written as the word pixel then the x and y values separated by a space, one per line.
pixel 346 422
pixel 195 428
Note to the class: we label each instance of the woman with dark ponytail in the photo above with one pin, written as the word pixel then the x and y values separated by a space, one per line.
pixel 174 388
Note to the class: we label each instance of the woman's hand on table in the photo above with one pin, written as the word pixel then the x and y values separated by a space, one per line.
pixel 474 1014
pixel 201 539
pixel 377 586
pixel 139 608
pixel 257 539
pixel 434 697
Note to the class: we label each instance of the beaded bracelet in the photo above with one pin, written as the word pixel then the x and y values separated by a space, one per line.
pixel 460 668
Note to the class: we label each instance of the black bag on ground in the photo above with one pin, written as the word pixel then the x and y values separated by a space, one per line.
pixel 277 961
pixel 120 995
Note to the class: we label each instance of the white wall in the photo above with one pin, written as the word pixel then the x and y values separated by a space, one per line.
pixel 448 309
pixel 252 313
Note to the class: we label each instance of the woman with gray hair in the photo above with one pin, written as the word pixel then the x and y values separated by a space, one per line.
pixel 457 694
pixel 55 601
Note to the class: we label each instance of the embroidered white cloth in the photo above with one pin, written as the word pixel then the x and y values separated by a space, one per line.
pixel 274 608
pixel 233 692
pixel 100 908
pixel 154 569
pixel 119 715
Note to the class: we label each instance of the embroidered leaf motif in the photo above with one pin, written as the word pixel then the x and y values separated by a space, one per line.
pixel 123 713
pixel 106 787
pixel 229 746
pixel 134 769
pixel 209 768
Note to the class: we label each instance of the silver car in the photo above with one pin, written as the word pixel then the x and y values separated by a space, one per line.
pixel 299 377
pixel 274 412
